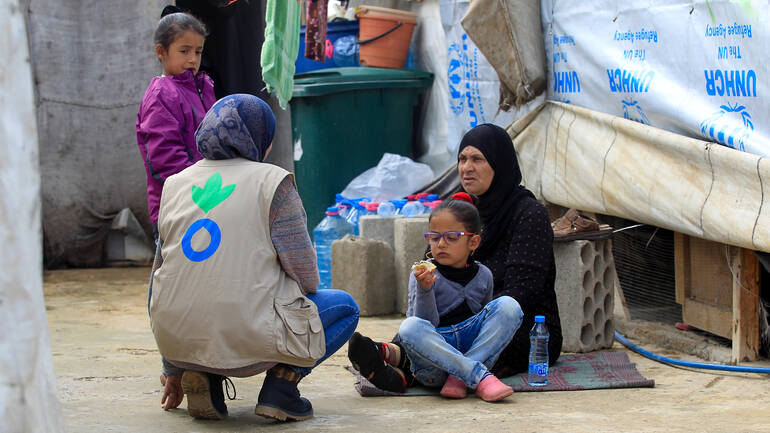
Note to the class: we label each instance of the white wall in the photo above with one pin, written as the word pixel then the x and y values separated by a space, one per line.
pixel 28 400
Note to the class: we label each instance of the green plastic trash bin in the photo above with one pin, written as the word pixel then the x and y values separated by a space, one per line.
pixel 343 120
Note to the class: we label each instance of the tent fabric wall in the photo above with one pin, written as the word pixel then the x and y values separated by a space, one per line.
pixel 28 401
pixel 576 157
pixel 92 63
pixel 693 67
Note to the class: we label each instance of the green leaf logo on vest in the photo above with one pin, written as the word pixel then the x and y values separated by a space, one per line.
pixel 212 194
pixel 207 198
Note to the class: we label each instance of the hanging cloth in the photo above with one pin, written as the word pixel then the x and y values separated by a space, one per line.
pixel 280 49
pixel 231 55
pixel 315 32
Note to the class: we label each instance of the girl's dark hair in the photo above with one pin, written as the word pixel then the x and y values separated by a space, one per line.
pixel 466 213
pixel 174 24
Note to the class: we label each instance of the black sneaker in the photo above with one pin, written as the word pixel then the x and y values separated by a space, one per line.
pixel 205 399
pixel 366 357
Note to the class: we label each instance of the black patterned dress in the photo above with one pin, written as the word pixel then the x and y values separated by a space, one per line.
pixel 523 268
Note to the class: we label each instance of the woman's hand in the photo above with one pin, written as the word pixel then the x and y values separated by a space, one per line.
pixel 425 278
pixel 172 392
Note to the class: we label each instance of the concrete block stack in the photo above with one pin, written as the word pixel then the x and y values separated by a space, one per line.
pixel 364 268
pixel 585 282
pixel 375 227
pixel 410 247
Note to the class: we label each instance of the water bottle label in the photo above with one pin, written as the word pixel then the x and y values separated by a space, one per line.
pixel 538 369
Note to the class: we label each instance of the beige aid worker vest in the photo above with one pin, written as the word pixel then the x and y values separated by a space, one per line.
pixel 221 299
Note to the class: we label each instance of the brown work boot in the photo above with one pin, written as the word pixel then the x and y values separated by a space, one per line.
pixel 205 399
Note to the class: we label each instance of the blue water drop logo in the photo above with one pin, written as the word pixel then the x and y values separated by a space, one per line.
pixel 214 232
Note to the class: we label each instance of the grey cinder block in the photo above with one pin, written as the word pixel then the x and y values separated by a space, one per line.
pixel 409 247
pixel 585 282
pixel 364 268
pixel 375 227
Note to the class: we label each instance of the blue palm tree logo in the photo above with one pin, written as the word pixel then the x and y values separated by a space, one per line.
pixel 731 126
pixel 633 111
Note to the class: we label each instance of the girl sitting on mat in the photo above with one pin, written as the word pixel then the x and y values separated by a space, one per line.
pixel 454 331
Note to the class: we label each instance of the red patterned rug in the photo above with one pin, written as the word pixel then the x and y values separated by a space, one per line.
pixel 573 372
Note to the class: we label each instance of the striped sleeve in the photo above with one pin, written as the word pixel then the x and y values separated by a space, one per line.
pixel 288 230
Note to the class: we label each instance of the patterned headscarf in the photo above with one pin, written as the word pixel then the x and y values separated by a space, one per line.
pixel 239 125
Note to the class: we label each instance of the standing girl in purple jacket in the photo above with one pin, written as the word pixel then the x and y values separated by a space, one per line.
pixel 173 104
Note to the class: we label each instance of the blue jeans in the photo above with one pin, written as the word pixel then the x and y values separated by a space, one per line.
pixel 466 350
pixel 339 316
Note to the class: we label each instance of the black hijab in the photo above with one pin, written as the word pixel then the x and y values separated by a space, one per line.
pixel 499 205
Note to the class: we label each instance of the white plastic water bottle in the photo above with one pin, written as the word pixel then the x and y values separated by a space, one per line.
pixel 399 204
pixel 354 216
pixel 538 353
pixel 386 209
pixel 331 228
pixel 413 209
pixel 341 203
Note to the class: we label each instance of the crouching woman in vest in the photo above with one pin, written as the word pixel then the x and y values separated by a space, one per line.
pixel 233 292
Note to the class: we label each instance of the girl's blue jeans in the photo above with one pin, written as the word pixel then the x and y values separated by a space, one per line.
pixel 466 350
pixel 339 316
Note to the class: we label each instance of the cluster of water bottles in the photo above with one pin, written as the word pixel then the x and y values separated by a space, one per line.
pixel 343 218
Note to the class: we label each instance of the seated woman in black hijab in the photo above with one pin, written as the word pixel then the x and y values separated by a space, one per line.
pixel 517 238
pixel 517 246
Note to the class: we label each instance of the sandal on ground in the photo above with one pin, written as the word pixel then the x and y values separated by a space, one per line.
pixel 575 225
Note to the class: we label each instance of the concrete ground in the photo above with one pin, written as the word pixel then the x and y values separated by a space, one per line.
pixel 107 368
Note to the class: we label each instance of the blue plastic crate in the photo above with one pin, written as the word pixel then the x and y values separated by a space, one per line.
pixel 334 31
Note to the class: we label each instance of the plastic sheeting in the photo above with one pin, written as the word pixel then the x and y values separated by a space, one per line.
pixel 473 84
pixel 694 67
pixel 91 65
pixel 511 38
pixel 394 177
pixel 579 158
pixel 28 400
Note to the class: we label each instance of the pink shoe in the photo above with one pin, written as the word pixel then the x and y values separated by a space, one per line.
pixel 491 389
pixel 454 388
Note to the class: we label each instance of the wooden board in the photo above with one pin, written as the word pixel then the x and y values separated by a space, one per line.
pixel 718 288
pixel 746 298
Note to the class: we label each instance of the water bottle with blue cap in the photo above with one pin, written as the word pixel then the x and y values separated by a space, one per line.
pixel 538 353
pixel 331 228
pixel 339 202
pixel 354 216
pixel 386 209
pixel 413 209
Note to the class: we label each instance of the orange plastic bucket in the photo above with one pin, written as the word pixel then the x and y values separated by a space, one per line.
pixel 384 36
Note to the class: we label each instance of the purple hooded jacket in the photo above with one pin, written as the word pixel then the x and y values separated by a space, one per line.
pixel 170 112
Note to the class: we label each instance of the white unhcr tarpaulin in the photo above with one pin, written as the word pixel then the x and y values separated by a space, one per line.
pixel 698 68
pixel 576 157
pixel 28 400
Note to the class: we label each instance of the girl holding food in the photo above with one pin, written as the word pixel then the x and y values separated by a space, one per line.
pixel 454 331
